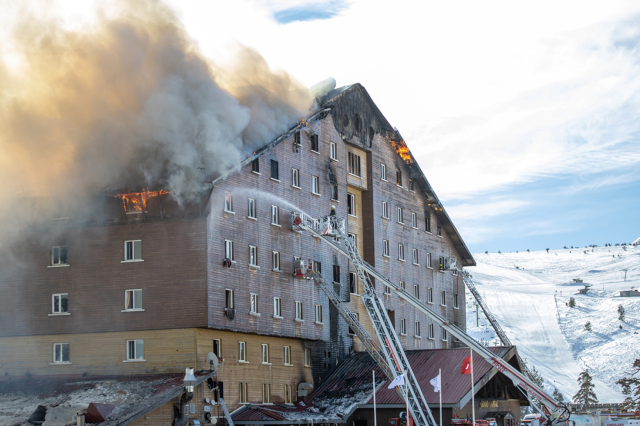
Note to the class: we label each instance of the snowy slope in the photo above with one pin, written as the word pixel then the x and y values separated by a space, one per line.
pixel 528 293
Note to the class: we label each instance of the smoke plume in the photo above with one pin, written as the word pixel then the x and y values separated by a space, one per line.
pixel 131 102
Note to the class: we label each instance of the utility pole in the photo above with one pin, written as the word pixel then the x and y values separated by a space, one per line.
pixel 478 318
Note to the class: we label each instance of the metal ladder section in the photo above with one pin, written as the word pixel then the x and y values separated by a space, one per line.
pixel 487 313
pixel 355 325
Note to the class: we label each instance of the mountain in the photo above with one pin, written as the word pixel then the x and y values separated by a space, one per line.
pixel 529 294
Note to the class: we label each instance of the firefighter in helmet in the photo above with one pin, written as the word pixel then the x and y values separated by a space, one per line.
pixel 333 211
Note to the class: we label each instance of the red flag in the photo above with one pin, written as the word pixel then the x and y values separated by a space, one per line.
pixel 466 365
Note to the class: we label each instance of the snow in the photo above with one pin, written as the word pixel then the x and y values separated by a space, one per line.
pixel 528 293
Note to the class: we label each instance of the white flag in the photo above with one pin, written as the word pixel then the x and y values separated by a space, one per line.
pixel 398 381
pixel 435 382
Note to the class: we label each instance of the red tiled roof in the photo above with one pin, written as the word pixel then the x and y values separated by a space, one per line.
pixel 253 413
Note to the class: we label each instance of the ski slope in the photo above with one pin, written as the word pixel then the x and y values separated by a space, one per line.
pixel 528 293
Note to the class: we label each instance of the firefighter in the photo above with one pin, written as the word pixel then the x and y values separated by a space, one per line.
pixel 333 211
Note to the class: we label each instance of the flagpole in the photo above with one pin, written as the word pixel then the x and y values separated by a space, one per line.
pixel 473 399
pixel 375 421
pixel 440 393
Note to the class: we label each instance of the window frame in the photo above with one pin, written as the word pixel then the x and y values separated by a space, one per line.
pixel 275 215
pixel 266 393
pixel 307 357
pixel 443 298
pixel 333 151
pixel 385 210
pixel 133 251
pixel 295 178
pixel 314 141
pixel 275 170
pixel 444 335
pixel 439 230
pixel 399 177
pixel 351 204
pixel 416 257
pixel 228 249
pixel 318 314
pixel 414 221
pixel 299 311
pixel 432 333
pixel 428 260
pixel 416 329
pixel 61 361
pixel 403 327
pixel 253 255
pixel 401 257
pixel 228 202
pixel 217 343
pixel 336 274
pixel 275 261
pixel 242 351
pixel 353 283
pixel 354 165
pixel 430 295
pixel 264 354
pixel 134 292
pixel 243 393
pixel 455 301
pixel 403 285
pixel 254 300
pixel 288 394
pixel 315 185
pixel 416 291
pixel 53 304
pixel 229 299
pixel 335 192
pixel 135 350
pixel 251 208
pixel 400 215
pixel 385 248
pixel 287 356
pixel 383 172
pixel 277 307
pixel 60 249
pixel 411 185
pixel 427 223
pixel 255 165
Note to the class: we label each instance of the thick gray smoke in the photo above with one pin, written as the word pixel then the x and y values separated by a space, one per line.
pixel 131 103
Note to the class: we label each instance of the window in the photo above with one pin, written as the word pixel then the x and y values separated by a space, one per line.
pixel 275 260
pixel 417 329
pixel 133 300
pixel 351 204
pixel 439 230
pixel 334 154
pixel 353 239
pixel 266 393
pixel 400 252
pixel 253 255
pixel 336 273
pixel 61 353
pixel 429 295
pixel 314 143
pixel 228 203
pixel 354 164
pixel 228 298
pixel 387 290
pixel 315 185
pixel 383 172
pixel 443 298
pixel 277 307
pixel 356 317
pixel 319 314
pixel 299 311
pixel 274 170
pixel 403 327
pixel 334 192
pixel 444 334
pixel 133 250
pixel 385 248
pixel 431 332
pixel 60 303
pixel 414 220
pixel 428 260
pixel 455 301
pixel 402 285
pixel 265 353
pixel 398 177
pixel 288 398
pixel 254 303
pixel 255 166
pixel 427 222
pixel 399 212
pixel 316 266
pixel 275 215
pixel 296 139
pixel 385 210
pixel 307 357
pixel 287 355
pixel 416 291
pixel 217 348
pixel 411 185
pixel 295 178
pixel 353 284
pixel 243 393
pixel 135 350
pixel 441 260
pixel 242 351
pixel 59 255
pixel 416 260
pixel 228 249
pixel 252 208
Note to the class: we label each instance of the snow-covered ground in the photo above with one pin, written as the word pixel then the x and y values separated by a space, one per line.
pixel 528 293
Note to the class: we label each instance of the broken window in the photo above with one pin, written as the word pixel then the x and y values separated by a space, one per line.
pixel 217 348
pixel 287 355
pixel 275 215
pixel 135 350
pixel 351 204
pixel 417 329
pixel 255 166
pixel 274 170
pixel 228 298
pixel 254 303
pixel 403 327
pixel 243 392
pixel 61 353
pixel 319 313
pixel 277 307
pixel 354 164
pixel 398 177
pixel 265 353
pixel 299 311
pixel 385 248
pixel 253 255
pixel 133 250
pixel 353 284
pixel 252 208
pixel 228 249
pixel 315 185
pixel 400 252
pixel 60 303
pixel 295 178
pixel 334 154
pixel 242 351
pixel 133 300
pixel 228 204
pixel 266 393
pixel 58 255
pixel 314 143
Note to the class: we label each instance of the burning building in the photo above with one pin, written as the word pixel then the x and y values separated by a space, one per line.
pixel 144 285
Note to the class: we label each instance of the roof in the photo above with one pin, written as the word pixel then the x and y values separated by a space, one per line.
pixel 132 396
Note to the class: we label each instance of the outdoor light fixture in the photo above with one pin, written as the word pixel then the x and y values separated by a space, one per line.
pixel 189 380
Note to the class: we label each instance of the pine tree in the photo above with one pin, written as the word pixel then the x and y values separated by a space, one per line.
pixel 572 302
pixel 558 395
pixel 536 376
pixel 631 388
pixel 621 312
pixel 585 394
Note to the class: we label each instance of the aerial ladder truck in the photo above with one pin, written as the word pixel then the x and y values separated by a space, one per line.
pixel 388 352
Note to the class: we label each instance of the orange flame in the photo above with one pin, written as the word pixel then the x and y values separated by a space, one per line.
pixel 134 202
pixel 402 149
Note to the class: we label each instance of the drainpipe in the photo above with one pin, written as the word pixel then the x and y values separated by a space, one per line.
pixel 181 411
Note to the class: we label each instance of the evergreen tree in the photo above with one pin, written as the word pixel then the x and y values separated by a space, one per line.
pixel 587 326
pixel 572 302
pixel 558 395
pixel 631 388
pixel 536 377
pixel 621 312
pixel 585 394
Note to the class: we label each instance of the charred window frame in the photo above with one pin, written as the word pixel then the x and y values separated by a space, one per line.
pixel 61 353
pixel 255 166
pixel 439 230
pixel 133 251
pixel 398 177
pixel 274 170
pixel 60 303
pixel 296 142
pixel 314 143
pixel 59 256
pixel 411 185
pixel 354 165
pixel 133 300
pixel 334 192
